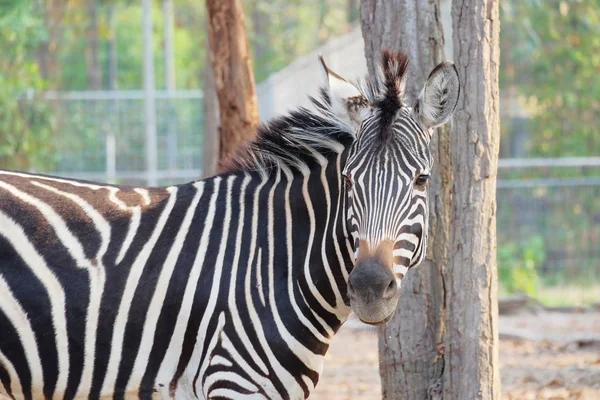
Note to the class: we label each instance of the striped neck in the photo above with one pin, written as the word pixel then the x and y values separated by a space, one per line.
pixel 289 271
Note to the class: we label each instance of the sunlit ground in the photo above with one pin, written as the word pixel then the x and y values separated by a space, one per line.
pixel 567 295
pixel 543 356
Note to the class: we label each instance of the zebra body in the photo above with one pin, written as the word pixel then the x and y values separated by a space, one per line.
pixel 155 275
pixel 226 288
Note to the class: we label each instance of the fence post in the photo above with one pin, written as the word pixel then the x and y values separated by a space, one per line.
pixel 169 59
pixel 113 106
pixel 111 156
pixel 149 96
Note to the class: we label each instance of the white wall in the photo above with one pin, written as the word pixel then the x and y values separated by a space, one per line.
pixel 290 87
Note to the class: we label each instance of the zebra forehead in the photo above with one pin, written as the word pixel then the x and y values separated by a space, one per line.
pixel 399 154
pixel 404 135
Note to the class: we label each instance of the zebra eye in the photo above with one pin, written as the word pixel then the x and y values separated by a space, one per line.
pixel 422 180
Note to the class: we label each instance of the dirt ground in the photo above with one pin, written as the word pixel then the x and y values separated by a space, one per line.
pixel 546 356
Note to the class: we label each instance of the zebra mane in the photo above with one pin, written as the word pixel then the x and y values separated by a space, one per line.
pixel 385 91
pixel 293 140
pixel 304 135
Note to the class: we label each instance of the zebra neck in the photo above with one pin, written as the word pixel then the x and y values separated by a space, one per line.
pixel 321 248
pixel 277 292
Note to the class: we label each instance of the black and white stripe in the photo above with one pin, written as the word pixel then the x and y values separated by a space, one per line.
pixel 385 202
pixel 221 290
pixel 230 287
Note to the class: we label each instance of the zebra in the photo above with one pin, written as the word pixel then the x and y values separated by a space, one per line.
pixel 231 287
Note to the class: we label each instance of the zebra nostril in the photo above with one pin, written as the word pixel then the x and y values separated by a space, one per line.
pixel 390 291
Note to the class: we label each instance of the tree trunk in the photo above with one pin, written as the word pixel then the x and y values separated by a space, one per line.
pixel 149 95
pixel 352 11
pixel 410 350
pixel 94 71
pixel 232 69
pixel 48 60
pixel 168 45
pixel 321 33
pixel 111 123
pixel 260 25
pixel 169 61
pixel 471 277
pixel 111 49
pixel 210 123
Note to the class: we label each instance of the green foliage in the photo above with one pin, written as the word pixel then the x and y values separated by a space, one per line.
pixel 565 219
pixel 25 122
pixel 550 58
pixel 551 54
pixel 287 29
pixel 189 41
pixel 518 263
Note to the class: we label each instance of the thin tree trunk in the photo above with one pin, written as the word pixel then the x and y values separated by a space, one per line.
pixel 210 123
pixel 48 60
pixel 111 49
pixel 111 123
pixel 149 95
pixel 169 53
pixel 169 60
pixel 232 69
pixel 94 70
pixel 323 9
pixel 410 345
pixel 352 11
pixel 471 277
pixel 48 57
pixel 260 25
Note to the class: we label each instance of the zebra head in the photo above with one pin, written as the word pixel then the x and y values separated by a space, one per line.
pixel 386 174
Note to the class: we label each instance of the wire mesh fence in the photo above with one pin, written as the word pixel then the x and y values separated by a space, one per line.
pixel 101 136
pixel 548 219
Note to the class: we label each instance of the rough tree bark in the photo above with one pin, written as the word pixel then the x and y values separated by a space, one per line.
pixel 471 277
pixel 232 70
pixel 410 345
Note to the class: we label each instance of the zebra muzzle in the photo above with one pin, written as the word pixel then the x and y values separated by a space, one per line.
pixel 373 290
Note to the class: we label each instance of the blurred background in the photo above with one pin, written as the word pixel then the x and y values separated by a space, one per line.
pixel 72 103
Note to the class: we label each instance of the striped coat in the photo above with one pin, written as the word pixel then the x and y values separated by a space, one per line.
pixel 230 287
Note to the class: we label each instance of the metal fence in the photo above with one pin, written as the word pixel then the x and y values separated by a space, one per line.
pixel 102 136
pixel 548 219
pixel 548 210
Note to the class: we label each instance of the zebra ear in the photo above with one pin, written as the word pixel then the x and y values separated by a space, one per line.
pixel 347 102
pixel 439 96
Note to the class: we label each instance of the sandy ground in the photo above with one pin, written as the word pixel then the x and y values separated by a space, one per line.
pixel 546 356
